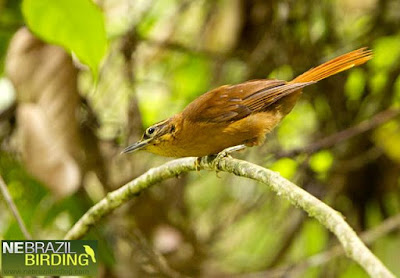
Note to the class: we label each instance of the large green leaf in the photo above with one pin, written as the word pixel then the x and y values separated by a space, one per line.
pixel 76 25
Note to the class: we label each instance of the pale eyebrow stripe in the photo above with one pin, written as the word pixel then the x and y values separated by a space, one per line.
pixel 160 123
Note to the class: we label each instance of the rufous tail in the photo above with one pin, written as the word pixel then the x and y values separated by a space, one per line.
pixel 339 64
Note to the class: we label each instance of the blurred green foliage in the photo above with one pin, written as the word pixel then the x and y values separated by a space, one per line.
pixel 16 178
pixel 287 167
pixel 386 53
pixel 77 25
pixel 10 21
pixel 355 85
pixel 321 161
pixel 387 137
pixel 295 131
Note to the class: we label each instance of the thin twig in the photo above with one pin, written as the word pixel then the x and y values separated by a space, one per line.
pixel 345 134
pixel 13 208
pixel 175 46
pixel 331 219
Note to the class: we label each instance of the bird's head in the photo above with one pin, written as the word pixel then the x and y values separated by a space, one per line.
pixel 155 137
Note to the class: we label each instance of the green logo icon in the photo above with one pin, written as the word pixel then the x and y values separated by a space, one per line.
pixel 90 252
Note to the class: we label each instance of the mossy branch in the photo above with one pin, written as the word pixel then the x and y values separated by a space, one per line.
pixel 331 219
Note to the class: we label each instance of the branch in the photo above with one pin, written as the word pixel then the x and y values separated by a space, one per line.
pixel 331 219
pixel 13 208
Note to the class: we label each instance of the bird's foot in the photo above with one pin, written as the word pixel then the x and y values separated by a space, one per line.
pixel 214 159
pixel 227 153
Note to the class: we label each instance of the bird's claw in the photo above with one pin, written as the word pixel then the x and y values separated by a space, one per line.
pixel 227 153
pixel 214 159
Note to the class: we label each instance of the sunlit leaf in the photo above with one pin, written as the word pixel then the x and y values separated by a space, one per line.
pixel 396 93
pixel 316 237
pixel 386 52
pixel 76 25
pixel 388 138
pixel 286 167
pixel 377 82
pixel 355 84
pixel 321 161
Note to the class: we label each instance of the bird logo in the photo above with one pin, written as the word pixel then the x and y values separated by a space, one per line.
pixel 90 252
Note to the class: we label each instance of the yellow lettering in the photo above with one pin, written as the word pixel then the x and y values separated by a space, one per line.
pixel 83 259
pixel 29 259
pixel 44 258
pixel 55 259
pixel 71 259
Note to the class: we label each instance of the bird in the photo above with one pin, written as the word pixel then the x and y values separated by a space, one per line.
pixel 236 115
pixel 90 252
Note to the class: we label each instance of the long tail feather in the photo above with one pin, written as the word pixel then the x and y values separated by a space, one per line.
pixel 339 64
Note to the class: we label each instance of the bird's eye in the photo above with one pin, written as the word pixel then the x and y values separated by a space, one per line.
pixel 150 131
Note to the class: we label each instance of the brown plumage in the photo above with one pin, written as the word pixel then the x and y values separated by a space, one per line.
pixel 236 114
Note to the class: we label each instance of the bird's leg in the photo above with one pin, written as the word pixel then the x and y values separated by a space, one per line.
pixel 197 164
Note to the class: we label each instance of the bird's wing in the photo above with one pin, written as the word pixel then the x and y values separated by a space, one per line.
pixel 232 103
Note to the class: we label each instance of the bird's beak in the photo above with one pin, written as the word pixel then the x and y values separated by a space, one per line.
pixel 137 146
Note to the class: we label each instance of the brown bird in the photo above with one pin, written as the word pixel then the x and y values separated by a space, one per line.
pixel 233 115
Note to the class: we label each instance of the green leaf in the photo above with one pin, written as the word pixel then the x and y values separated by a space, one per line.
pixel 76 25
pixel 396 93
pixel 386 53
pixel 286 167
pixel 377 82
pixel 355 84
pixel 315 237
pixel 321 161
pixel 387 137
